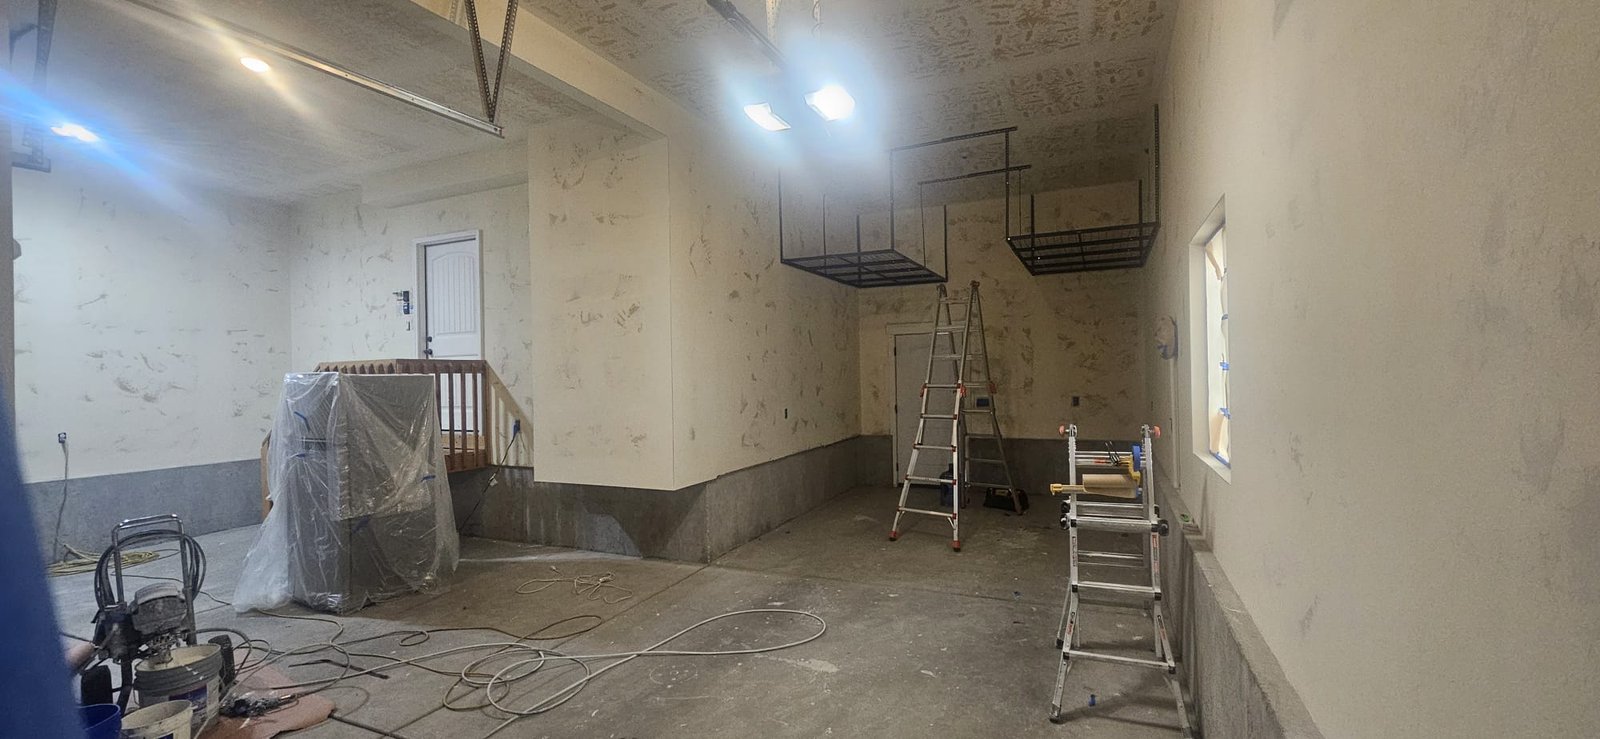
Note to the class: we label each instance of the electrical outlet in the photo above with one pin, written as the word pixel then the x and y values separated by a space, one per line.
pixel 61 438
pixel 516 426
pixel 1075 401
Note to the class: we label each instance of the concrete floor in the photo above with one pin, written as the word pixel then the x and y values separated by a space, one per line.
pixel 920 640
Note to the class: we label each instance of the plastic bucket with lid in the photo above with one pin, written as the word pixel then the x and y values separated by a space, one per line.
pixel 168 720
pixel 193 674
pixel 101 720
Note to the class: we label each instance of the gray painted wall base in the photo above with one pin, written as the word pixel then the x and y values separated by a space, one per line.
pixel 208 497
pixel 1238 688
pixel 697 524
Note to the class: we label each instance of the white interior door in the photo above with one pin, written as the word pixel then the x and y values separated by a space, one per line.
pixel 452 299
pixel 452 320
pixel 910 370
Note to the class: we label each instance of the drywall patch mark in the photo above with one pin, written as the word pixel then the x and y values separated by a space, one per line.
pixel 1493 244
pixel 1541 443
pixel 1280 11
pixel 1309 617
pixel 1576 291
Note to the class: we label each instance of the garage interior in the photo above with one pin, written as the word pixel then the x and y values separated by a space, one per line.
pixel 671 368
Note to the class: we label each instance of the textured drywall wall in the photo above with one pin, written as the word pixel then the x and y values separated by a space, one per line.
pixel 763 355
pixel 1414 261
pixel 152 331
pixel 348 259
pixel 1049 337
pixel 603 328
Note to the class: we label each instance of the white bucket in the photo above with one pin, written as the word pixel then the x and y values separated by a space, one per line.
pixel 193 674
pixel 168 720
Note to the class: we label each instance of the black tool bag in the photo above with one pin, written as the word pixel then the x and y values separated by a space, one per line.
pixel 1002 499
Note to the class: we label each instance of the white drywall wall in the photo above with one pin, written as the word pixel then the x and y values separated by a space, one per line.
pixel 348 259
pixel 151 331
pixel 602 314
pixel 764 355
pixel 1414 261
pixel 1049 337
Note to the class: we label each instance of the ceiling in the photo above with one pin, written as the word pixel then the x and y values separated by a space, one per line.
pixel 175 102
pixel 1076 76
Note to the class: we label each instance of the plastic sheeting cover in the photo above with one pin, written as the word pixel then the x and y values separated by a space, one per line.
pixel 360 500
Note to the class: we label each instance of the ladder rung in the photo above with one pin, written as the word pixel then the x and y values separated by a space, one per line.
pixel 942 386
pixel 1117 658
pixel 927 513
pixel 939 416
pixel 936 480
pixel 954 301
pixel 1111 555
pixel 947 356
pixel 938 447
pixel 950 328
pixel 1115 587
pixel 1113 524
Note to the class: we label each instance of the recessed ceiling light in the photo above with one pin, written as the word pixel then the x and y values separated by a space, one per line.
pixel 74 131
pixel 255 65
pixel 831 102
pixel 762 114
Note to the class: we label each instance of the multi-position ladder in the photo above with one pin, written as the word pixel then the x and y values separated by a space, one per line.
pixel 1127 476
pixel 957 414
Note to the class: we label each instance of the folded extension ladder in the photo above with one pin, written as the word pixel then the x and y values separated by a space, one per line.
pixel 1131 478
pixel 958 398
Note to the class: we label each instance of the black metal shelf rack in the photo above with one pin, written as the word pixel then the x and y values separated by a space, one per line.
pixel 1123 246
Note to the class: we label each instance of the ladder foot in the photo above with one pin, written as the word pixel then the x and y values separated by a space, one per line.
pixel 1056 717
pixel 894 536
pixel 955 544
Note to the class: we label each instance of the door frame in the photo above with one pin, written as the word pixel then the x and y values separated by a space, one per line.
pixel 476 237
pixel 895 331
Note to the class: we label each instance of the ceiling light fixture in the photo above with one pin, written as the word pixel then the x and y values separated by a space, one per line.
pixel 831 102
pixel 762 114
pixel 74 131
pixel 255 65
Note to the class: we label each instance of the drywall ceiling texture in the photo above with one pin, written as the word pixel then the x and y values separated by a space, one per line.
pixel 175 100
pixel 603 399
pixel 764 355
pixel 348 260
pixel 152 333
pixel 1077 76
pixel 1414 295
pixel 1049 338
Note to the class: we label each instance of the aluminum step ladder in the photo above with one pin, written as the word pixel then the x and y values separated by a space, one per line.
pixel 957 401
pixel 1134 469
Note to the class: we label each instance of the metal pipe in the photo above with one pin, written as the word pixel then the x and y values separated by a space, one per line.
pixel 958 137
pixel 731 14
pixel 985 173
pixel 307 59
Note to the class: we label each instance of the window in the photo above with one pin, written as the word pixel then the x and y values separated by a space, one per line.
pixel 1217 413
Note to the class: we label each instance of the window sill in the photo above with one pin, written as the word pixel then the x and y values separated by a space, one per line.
pixel 1223 471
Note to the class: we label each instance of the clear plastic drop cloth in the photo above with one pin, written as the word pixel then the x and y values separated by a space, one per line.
pixel 360 500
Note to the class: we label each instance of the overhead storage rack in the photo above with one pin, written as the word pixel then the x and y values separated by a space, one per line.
pixel 1121 246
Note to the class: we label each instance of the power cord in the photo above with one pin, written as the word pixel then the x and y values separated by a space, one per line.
pixel 61 508
pixel 592 587
pixel 483 495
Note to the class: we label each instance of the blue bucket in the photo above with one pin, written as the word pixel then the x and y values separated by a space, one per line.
pixel 101 720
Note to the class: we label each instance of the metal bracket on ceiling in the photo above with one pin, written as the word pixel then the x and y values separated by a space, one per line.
pixel 304 58
pixel 490 89
pixel 32 156
pixel 731 14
